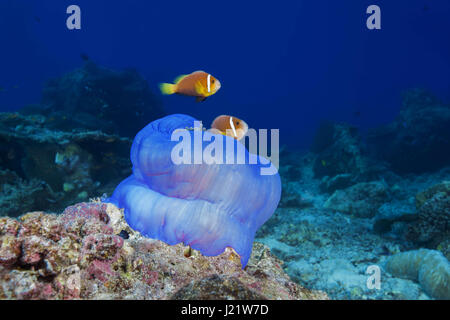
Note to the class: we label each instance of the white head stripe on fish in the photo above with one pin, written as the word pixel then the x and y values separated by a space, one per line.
pixel 209 83
pixel 232 126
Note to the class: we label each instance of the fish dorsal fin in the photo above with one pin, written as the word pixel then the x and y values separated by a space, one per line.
pixel 179 78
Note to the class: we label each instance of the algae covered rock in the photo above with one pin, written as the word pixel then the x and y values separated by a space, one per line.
pixel 433 223
pixel 216 288
pixel 429 193
pixel 361 200
pixel 89 252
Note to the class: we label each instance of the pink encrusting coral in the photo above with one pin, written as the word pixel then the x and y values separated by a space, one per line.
pixel 89 252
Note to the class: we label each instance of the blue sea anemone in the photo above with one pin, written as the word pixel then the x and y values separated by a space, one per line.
pixel 206 206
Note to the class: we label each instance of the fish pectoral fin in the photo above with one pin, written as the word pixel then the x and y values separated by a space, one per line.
pixel 200 99
pixel 199 88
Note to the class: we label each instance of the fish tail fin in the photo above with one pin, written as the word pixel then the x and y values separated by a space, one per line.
pixel 167 88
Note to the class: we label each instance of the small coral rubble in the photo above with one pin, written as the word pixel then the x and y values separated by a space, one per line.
pixel 82 255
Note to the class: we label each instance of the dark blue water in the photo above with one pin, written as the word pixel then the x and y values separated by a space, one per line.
pixel 282 65
pixel 345 204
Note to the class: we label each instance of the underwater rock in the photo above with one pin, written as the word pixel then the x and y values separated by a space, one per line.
pixel 361 200
pixel 18 195
pixel 423 196
pixel 296 167
pixel 428 267
pixel 209 206
pixel 293 197
pixel 294 201
pixel 444 247
pixel 433 223
pixel 340 181
pixel 97 98
pixel 47 169
pixel 393 213
pixel 418 140
pixel 216 288
pixel 341 158
pixel 298 233
pixel 324 136
pixel 80 254
pixel 339 151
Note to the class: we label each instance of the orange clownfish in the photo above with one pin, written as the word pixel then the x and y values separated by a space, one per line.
pixel 230 126
pixel 198 84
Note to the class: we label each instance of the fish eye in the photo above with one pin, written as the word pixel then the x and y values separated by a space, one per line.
pixel 237 122
pixel 212 80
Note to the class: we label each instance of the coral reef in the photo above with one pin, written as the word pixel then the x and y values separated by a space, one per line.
pixel 429 267
pixel 49 169
pixel 89 252
pixel 342 210
pixel 419 138
pixel 207 205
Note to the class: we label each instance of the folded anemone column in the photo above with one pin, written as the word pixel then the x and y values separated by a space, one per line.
pixel 208 206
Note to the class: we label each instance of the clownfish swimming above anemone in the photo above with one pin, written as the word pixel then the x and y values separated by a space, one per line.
pixel 198 84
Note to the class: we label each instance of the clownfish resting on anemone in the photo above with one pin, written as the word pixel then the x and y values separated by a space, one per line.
pixel 198 84
pixel 206 206
pixel 229 126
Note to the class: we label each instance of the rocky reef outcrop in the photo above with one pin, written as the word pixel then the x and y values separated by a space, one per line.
pixel 339 150
pixel 75 144
pixel 42 168
pixel 341 158
pixel 419 138
pixel 89 252
pixel 94 97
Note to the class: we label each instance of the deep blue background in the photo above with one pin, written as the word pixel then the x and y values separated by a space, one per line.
pixel 282 64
